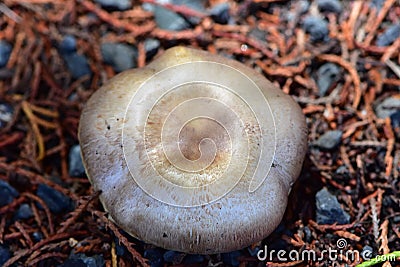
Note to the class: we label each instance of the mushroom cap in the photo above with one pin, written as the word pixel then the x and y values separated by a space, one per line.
pixel 194 152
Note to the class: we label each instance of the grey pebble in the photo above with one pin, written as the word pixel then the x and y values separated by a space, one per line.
pixel 329 140
pixel 329 6
pixel 5 52
pixel 317 28
pixel 169 20
pixel 220 13
pixel 327 74
pixel 120 56
pixel 231 258
pixel 173 257
pixel 5 254
pixel 6 114
pixel 55 200
pixel 77 65
pixel 7 193
pixel 329 210
pixel 387 107
pixel 115 4
pixel 76 168
pixel 151 47
pixel 389 35
pixel 68 44
pixel 24 212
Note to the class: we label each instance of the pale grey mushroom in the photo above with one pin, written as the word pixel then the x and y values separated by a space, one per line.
pixel 194 152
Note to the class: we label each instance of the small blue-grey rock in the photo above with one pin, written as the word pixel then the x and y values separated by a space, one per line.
pixel 327 74
pixel 55 200
pixel 231 258
pixel 24 212
pixel 387 107
pixel 377 4
pixel 220 13
pixel 5 254
pixel 169 20
pixel 329 210
pixel 253 251
pixel 77 65
pixel 76 168
pixel 92 261
pixel 73 263
pixel 389 35
pixel 155 256
pixel 317 28
pixel 196 5
pixel 115 4
pixel 5 52
pixel 193 259
pixel 37 236
pixel 307 234
pixel 6 114
pixel 7 193
pixel 173 257
pixel 329 6
pixel 67 45
pixel 151 47
pixel 120 56
pixel 329 140
pixel 395 121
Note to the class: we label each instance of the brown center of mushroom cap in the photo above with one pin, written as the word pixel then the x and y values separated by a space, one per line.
pixel 196 141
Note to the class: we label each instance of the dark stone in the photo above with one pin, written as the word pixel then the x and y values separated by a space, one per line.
pixel 317 28
pixel 220 13
pixel 24 212
pixel 92 261
pixel 193 259
pixel 5 52
pixel 329 140
pixel 67 45
pixel 73 263
pixel 327 74
pixel 5 254
pixel 197 5
pixel 7 193
pixel 307 234
pixel 387 107
pixel 151 47
pixel 55 200
pixel 120 5
pixel 169 20
pixel 173 257
pixel 253 251
pixel 155 256
pixel 231 258
pixel 377 4
pixel 6 114
pixel 329 6
pixel 77 65
pixel 120 56
pixel 37 236
pixel 329 210
pixel 389 35
pixel 76 168
pixel 395 121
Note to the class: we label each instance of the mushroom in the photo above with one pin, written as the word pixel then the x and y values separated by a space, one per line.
pixel 194 152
